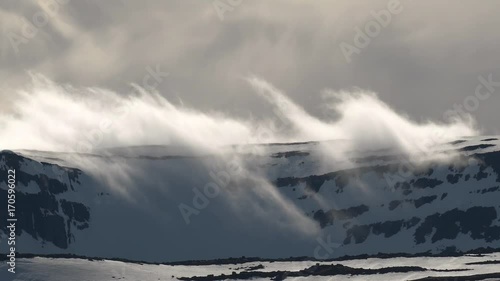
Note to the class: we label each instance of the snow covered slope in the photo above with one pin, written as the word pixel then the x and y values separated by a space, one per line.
pixel 161 204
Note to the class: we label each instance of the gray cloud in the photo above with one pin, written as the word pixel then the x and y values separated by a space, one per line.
pixel 428 58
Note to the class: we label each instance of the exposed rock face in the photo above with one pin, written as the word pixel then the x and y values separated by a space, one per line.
pixel 40 211
pixel 420 218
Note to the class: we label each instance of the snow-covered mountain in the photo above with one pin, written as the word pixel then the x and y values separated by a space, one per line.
pixel 161 204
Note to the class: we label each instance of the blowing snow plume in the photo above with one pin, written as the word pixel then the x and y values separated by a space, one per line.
pixel 52 117
pixel 135 146
pixel 364 121
pixel 61 118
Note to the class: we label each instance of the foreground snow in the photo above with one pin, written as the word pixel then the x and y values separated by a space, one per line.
pixel 47 269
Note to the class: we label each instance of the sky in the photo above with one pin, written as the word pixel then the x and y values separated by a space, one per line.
pixel 423 60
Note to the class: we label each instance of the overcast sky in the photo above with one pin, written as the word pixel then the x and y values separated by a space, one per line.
pixel 427 58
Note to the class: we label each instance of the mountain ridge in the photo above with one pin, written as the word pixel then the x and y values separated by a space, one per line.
pixel 368 210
